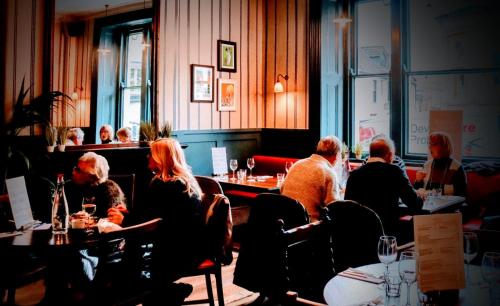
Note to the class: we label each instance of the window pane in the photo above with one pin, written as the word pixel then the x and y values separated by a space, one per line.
pixel 373 24
pixel 454 34
pixel 134 59
pixel 476 94
pixel 132 110
pixel 371 109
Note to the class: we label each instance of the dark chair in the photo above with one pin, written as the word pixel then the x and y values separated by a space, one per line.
pixel 127 184
pixel 120 277
pixel 259 267
pixel 218 222
pixel 355 231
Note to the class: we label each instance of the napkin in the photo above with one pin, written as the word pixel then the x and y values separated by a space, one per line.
pixel 263 177
pixel 362 276
pixel 105 226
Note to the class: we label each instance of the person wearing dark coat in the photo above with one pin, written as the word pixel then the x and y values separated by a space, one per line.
pixel 379 185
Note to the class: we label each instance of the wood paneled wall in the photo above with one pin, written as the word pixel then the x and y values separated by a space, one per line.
pixel 22 55
pixel 72 73
pixel 287 53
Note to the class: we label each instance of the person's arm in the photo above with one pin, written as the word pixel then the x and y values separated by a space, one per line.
pixel 331 188
pixel 459 181
pixel 408 194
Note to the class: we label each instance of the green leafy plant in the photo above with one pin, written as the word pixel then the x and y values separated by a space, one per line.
pixel 358 150
pixel 50 135
pixel 166 130
pixel 147 132
pixel 62 134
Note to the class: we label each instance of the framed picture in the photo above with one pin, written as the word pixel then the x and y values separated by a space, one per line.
pixel 202 83
pixel 226 56
pixel 227 95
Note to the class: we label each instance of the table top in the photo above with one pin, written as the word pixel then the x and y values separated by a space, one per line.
pixel 343 291
pixel 39 239
pixel 264 183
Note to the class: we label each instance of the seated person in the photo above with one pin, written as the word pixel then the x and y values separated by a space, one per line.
pixel 74 137
pixel 312 181
pixel 175 196
pixel 106 134
pixel 396 160
pixel 441 171
pixel 124 135
pixel 379 185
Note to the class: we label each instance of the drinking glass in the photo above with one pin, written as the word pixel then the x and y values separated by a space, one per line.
pixel 407 271
pixel 490 268
pixel 471 247
pixel 387 251
pixel 250 165
pixel 233 164
pixel 88 206
pixel 242 175
pixel 280 177
pixel 288 165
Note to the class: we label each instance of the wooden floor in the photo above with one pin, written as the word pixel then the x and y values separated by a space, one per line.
pixel 233 295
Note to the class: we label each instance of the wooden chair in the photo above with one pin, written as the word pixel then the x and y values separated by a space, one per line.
pixel 219 229
pixel 120 278
pixel 127 184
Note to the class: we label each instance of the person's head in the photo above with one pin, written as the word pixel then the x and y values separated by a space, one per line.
pixel 382 147
pixel 168 162
pixel 76 136
pixel 91 169
pixel 124 134
pixel 329 147
pixel 440 145
pixel 106 133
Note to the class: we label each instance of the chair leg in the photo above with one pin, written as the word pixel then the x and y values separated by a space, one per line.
pixel 210 293
pixel 218 283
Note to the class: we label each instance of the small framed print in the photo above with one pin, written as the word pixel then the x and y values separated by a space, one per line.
pixel 226 56
pixel 202 83
pixel 227 95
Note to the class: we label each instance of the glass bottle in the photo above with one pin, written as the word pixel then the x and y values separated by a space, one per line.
pixel 60 215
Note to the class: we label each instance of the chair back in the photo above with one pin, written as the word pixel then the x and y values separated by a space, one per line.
pixel 259 267
pixel 355 231
pixel 127 185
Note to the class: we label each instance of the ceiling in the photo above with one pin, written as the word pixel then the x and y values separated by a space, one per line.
pixel 90 6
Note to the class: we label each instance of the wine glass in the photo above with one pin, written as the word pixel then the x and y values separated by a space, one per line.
pixel 470 250
pixel 288 165
pixel 387 251
pixel 250 165
pixel 233 164
pixel 490 269
pixel 88 206
pixel 407 271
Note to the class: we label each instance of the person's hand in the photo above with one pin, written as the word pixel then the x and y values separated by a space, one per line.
pixel 420 175
pixel 422 193
pixel 115 215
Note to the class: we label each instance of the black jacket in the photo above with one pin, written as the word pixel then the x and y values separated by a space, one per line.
pixel 379 186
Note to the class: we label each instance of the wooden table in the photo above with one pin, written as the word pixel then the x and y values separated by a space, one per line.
pixel 44 239
pixel 342 291
pixel 264 185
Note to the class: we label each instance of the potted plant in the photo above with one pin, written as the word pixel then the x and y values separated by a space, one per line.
pixel 345 152
pixel 147 133
pixel 166 130
pixel 62 135
pixel 50 137
pixel 358 150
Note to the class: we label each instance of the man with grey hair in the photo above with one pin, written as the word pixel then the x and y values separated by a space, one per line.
pixel 312 181
pixel 75 137
pixel 379 185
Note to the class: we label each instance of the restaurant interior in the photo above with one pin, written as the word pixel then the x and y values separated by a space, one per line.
pixel 251 152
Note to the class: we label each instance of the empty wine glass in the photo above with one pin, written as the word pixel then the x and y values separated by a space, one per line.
pixel 233 164
pixel 250 165
pixel 470 250
pixel 288 165
pixel 490 269
pixel 407 271
pixel 387 251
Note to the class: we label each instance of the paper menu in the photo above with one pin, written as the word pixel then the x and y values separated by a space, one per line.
pixel 219 160
pixel 19 201
pixel 439 245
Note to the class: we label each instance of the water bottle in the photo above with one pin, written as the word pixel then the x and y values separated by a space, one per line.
pixel 60 216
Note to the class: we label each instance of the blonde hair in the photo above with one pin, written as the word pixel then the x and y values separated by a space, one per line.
pixel 98 166
pixel 74 134
pixel 328 146
pixel 124 131
pixel 108 128
pixel 443 140
pixel 169 156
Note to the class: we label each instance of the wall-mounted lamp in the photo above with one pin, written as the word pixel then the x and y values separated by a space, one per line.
pixel 278 87
pixel 342 21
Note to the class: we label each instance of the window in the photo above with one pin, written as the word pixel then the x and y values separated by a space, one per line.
pixel 449 61
pixel 371 81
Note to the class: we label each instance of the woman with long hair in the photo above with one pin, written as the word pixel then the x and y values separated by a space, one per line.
pixel 174 196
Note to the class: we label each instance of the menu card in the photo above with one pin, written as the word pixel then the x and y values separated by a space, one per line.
pixel 439 245
pixel 19 201
pixel 219 161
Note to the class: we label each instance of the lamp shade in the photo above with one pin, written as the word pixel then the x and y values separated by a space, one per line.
pixel 278 87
